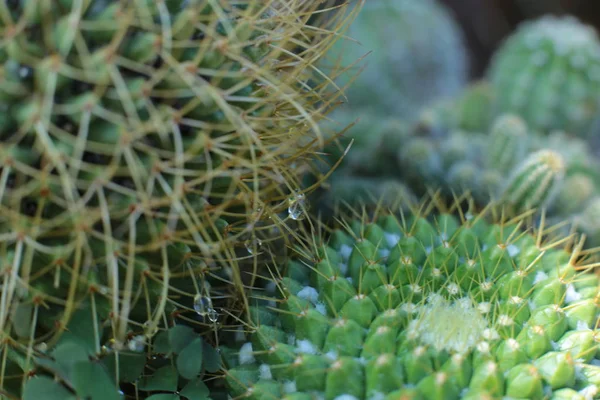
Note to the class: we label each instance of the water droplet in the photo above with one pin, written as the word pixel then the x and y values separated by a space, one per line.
pixel 202 304
pixel 253 244
pixel 24 72
pixel 137 344
pixel 213 315
pixel 297 207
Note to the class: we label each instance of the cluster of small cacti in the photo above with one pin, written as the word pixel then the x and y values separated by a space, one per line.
pixel 425 307
pixel 141 144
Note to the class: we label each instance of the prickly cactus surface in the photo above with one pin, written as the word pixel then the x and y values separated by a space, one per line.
pixel 548 72
pixel 429 308
pixel 140 141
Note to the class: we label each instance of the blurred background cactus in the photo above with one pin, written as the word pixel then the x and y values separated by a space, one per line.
pixel 549 73
pixel 400 55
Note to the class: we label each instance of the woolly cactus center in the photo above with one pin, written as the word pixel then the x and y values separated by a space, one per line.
pixel 455 326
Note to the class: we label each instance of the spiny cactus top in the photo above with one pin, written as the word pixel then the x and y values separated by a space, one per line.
pixel 549 73
pixel 129 130
pixel 427 308
pixel 416 54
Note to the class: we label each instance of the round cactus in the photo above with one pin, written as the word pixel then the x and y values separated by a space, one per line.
pixel 409 54
pixel 535 181
pixel 549 73
pixel 139 142
pixel 426 307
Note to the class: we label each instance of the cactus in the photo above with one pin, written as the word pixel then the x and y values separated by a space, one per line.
pixel 141 143
pixel 548 72
pixel 427 306
pixel 535 181
pixel 409 54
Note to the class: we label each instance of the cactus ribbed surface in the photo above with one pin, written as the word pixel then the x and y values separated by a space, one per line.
pixel 548 72
pixel 140 144
pixel 426 307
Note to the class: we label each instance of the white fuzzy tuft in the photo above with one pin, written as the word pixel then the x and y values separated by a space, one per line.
pixel 320 307
pixel 346 397
pixel 305 347
pixel 572 295
pixel 392 239
pixel 309 293
pixel 265 372
pixel 345 251
pixel 447 325
pixel 540 276
pixel 289 387
pixel 246 355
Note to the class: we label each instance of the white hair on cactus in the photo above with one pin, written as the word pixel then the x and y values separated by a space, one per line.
pixel 305 347
pixel 572 295
pixel 448 325
pixel 391 239
pixel 309 293
pixel 265 371
pixel 246 354
pixel 345 251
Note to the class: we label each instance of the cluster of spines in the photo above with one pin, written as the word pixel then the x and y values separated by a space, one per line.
pixel 143 143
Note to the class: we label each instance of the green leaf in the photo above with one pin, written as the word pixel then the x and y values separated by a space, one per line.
pixel 91 381
pixel 195 390
pixel 189 361
pixel 212 358
pixel 161 396
pixel 131 365
pixel 67 354
pixel 45 388
pixel 180 336
pixel 161 343
pixel 164 379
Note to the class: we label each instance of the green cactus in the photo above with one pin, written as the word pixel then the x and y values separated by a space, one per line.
pixel 535 181
pixel 142 143
pixel 409 54
pixel 507 143
pixel 425 307
pixel 548 72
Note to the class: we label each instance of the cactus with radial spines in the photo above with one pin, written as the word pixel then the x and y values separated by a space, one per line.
pixel 535 182
pixel 425 306
pixel 141 142
pixel 548 72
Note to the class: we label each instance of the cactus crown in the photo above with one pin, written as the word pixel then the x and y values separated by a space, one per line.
pixel 433 306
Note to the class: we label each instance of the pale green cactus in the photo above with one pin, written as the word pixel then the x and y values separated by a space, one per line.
pixel 403 54
pixel 534 183
pixel 548 72
pixel 425 307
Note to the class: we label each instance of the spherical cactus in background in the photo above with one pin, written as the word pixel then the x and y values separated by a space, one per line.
pixel 408 54
pixel 507 144
pixel 139 140
pixel 548 72
pixel 425 307
pixel 535 181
